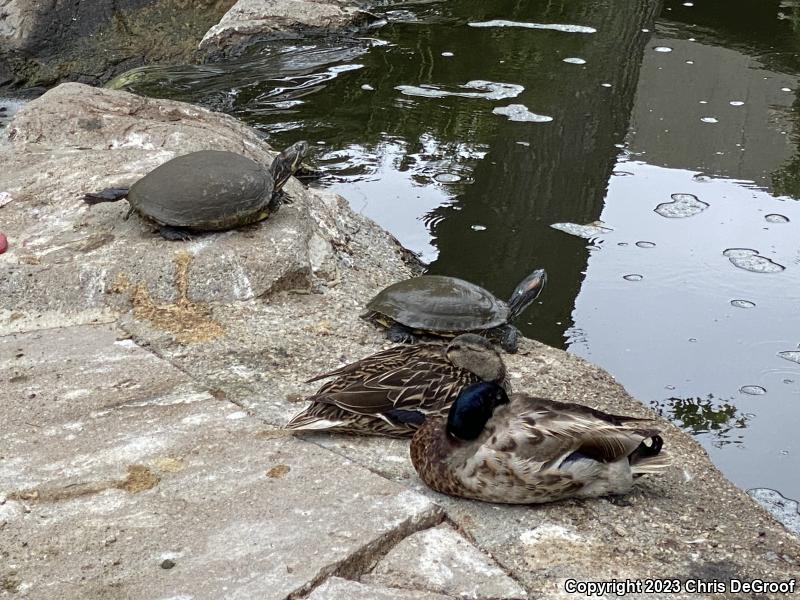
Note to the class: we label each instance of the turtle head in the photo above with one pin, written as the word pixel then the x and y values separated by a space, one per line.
pixel 473 408
pixel 286 163
pixel 526 292
pixel 476 354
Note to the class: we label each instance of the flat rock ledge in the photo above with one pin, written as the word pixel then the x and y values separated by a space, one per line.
pixel 248 19
pixel 143 385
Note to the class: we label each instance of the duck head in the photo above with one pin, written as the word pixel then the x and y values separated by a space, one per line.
pixel 476 354
pixel 473 408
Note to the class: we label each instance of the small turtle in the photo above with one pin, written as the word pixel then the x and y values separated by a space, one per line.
pixel 447 306
pixel 209 190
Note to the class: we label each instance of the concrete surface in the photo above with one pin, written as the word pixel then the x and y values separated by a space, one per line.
pixel 142 454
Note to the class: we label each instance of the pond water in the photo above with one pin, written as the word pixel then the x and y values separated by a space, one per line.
pixel 661 143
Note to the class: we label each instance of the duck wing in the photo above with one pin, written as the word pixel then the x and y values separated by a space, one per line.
pixel 543 434
pixel 384 383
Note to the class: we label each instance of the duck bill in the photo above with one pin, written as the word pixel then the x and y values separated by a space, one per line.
pixel 526 292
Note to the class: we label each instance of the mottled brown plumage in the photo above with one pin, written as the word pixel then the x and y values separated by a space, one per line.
pixel 391 392
pixel 533 450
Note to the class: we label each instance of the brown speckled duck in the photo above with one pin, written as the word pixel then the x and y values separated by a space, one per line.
pixel 526 450
pixel 391 392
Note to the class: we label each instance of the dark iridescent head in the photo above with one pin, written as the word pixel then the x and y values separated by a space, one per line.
pixel 473 408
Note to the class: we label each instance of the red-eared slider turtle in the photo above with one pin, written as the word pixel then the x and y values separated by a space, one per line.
pixel 209 190
pixel 447 306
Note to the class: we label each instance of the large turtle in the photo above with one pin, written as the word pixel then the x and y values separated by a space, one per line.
pixel 447 306
pixel 209 190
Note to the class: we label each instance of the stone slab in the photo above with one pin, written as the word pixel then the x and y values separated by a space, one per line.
pixel 273 18
pixel 443 561
pixel 68 257
pixel 336 588
pixel 122 478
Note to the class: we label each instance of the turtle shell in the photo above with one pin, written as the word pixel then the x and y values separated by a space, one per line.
pixel 207 190
pixel 440 304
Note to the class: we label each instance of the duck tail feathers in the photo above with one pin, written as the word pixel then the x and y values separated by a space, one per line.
pixel 648 458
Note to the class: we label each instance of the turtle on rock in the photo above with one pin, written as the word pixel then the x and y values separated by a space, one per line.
pixel 209 190
pixel 447 306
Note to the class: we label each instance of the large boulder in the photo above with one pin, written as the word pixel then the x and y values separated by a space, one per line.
pixel 249 19
pixel 68 257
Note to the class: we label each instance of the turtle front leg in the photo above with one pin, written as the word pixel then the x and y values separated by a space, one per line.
pixel 509 336
pixel 278 199
pixel 175 234
pixel 400 334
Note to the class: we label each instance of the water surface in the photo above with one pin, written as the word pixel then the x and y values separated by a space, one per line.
pixel 663 146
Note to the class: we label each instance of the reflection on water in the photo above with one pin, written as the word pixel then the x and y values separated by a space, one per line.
pixel 716 421
pixel 680 133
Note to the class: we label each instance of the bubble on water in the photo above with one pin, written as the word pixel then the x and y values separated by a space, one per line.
pixel 633 277
pixel 574 60
pixel 701 178
pixel 688 3
pixel 738 303
pixel 792 355
pixel 703 101
pixel 776 218
pixel 605 85
pixel 520 112
pixel 736 103
pixel 552 26
pixel 669 387
pixel 447 177
pixel 367 87
pixel 750 260
pixel 782 509
pixel 622 243
pixel 787 380
pixel 588 231
pixel 490 90
pixel 645 30
pixel 753 390
pixel 622 173
pixel 447 54
pixel 662 49
pixel 689 62
pixel 693 340
pixel 692 39
pixel 682 205
pixel 526 144
pixel 478 228
pixel 644 244
pixel 786 89
pixel 709 120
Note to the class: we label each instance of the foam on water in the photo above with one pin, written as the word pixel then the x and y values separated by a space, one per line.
pixel 682 205
pixel 551 26
pixel 783 509
pixel 588 231
pixel 520 112
pixel 489 90
pixel 750 260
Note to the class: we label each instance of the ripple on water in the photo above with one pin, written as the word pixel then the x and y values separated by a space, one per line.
pixel 753 390
pixel 776 218
pixel 644 244
pixel 738 303
pixel 682 205
pixel 490 90
pixel 750 260
pixel 520 112
pixel 783 509
pixel 552 26
pixel 633 277
pixel 574 60
pixel 792 355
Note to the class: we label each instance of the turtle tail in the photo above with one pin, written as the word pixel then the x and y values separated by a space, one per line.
pixel 112 194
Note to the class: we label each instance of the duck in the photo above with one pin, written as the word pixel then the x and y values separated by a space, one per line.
pixel 392 392
pixel 521 449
